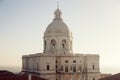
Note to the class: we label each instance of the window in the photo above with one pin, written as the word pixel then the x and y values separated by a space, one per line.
pixel 93 67
pixel 61 68
pixel 48 67
pixel 74 61
pixel 79 68
pixel 53 46
pixel 93 78
pixel 63 43
pixel 71 68
pixel 53 43
pixel 56 66
pixel 56 61
pixel 66 69
pixel 74 69
pixel 66 61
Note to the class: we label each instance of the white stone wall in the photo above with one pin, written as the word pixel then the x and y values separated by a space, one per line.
pixel 70 64
pixel 92 63
pixel 93 76
pixel 32 62
pixel 47 60
pixel 58 48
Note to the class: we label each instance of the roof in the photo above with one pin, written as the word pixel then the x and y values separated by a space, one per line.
pixel 105 75
pixel 6 75
pixel 113 77
pixel 57 26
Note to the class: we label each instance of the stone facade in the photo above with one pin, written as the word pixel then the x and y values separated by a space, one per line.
pixel 58 62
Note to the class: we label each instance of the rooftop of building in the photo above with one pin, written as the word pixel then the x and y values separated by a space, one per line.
pixel 112 77
pixel 57 54
pixel 7 75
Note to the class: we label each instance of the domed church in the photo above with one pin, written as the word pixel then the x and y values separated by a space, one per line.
pixel 58 62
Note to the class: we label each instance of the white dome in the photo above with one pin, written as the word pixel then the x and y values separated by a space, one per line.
pixel 57 26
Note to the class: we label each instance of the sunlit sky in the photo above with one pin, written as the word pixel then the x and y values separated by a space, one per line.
pixel 95 25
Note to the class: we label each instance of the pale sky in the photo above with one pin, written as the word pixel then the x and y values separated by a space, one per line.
pixel 95 25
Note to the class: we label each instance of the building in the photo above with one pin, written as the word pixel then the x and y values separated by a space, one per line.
pixel 112 77
pixel 104 75
pixel 6 75
pixel 58 62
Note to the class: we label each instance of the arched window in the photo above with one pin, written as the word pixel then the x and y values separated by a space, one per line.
pixel 63 43
pixel 53 43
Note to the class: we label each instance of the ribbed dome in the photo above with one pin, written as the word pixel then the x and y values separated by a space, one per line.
pixel 57 26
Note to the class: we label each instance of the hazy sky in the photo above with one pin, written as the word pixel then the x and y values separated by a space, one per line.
pixel 95 25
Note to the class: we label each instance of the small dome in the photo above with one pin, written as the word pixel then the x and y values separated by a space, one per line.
pixel 57 26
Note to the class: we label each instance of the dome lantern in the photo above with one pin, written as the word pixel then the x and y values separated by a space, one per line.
pixel 57 14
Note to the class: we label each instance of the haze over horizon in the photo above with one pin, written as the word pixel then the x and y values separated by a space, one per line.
pixel 95 25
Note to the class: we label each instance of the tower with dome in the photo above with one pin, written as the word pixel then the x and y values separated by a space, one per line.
pixel 57 37
pixel 58 62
